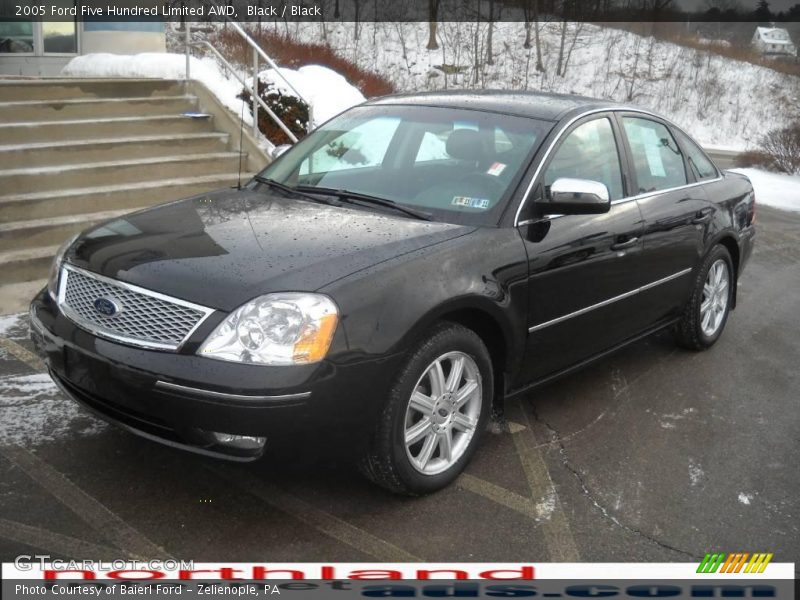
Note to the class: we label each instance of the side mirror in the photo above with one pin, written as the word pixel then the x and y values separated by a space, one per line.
pixel 278 150
pixel 576 197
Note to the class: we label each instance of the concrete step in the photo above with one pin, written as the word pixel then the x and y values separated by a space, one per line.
pixel 48 232
pixel 27 264
pixel 66 88
pixel 120 148
pixel 65 130
pixel 15 297
pixel 60 177
pixel 84 108
pixel 42 205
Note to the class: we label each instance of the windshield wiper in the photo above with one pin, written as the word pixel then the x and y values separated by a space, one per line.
pixel 347 195
pixel 292 190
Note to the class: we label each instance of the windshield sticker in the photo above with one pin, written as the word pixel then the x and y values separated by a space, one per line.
pixel 467 202
pixel 496 169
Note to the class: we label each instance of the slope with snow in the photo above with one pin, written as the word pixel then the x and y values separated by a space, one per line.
pixel 724 103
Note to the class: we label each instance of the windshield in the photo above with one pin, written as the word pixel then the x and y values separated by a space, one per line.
pixel 459 166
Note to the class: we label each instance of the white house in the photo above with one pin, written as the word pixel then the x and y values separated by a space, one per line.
pixel 773 41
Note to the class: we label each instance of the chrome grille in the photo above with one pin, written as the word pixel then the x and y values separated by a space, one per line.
pixel 143 318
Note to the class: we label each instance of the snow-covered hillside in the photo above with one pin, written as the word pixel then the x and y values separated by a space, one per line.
pixel 722 102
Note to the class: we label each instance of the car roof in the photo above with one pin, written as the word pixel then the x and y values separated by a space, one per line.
pixel 536 105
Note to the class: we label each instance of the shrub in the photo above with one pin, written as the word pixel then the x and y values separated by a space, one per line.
pixel 290 109
pixel 782 147
pixel 753 158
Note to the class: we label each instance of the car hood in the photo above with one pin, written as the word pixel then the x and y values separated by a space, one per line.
pixel 225 248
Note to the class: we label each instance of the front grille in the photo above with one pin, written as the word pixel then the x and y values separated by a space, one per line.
pixel 140 317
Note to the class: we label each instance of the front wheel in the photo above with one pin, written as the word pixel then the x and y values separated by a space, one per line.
pixel 707 311
pixel 435 414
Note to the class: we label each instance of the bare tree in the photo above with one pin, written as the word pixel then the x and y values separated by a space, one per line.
pixel 561 46
pixel 490 35
pixel 433 20
pixel 531 11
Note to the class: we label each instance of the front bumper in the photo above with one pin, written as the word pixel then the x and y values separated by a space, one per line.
pixel 181 399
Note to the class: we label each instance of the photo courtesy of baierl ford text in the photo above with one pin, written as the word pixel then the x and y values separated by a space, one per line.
pixel 398 298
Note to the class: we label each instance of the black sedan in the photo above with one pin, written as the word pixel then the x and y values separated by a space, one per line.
pixel 392 278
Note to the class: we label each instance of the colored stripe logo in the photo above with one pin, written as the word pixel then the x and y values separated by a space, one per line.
pixel 736 562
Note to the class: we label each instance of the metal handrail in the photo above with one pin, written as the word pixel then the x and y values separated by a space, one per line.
pixel 257 52
pixel 256 97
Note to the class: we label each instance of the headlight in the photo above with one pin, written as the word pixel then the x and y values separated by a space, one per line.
pixel 55 267
pixel 277 329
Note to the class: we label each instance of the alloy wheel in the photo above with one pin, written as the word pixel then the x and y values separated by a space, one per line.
pixel 442 413
pixel 715 298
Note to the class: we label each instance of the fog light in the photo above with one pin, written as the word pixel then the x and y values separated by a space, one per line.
pixel 242 442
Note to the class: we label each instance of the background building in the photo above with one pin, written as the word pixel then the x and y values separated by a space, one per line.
pixel 774 41
pixel 36 48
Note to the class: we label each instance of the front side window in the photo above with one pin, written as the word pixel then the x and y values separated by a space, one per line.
pixel 657 159
pixel 699 164
pixel 458 165
pixel 588 152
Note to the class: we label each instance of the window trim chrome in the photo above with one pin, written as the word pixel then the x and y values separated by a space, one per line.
pixel 592 307
pixel 101 333
pixel 575 119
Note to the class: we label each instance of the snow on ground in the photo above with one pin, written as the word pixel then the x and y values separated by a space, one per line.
pixel 324 89
pixel 33 411
pixel 721 102
pixel 772 189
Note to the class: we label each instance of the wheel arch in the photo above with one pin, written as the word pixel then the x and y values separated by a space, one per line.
pixel 488 322
pixel 728 240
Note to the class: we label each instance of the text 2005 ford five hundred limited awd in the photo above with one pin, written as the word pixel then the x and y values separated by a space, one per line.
pixel 409 264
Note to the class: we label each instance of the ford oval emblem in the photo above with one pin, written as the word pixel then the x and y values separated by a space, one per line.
pixel 107 307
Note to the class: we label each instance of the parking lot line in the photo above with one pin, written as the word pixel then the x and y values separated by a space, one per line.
pixel 51 541
pixel 23 354
pixel 557 533
pixel 330 525
pixel 92 512
pixel 500 495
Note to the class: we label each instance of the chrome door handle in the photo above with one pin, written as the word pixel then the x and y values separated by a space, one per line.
pixel 626 244
pixel 703 216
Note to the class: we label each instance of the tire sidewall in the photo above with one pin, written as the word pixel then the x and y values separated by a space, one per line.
pixel 449 339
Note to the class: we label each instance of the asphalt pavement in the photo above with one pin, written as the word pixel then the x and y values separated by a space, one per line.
pixel 653 454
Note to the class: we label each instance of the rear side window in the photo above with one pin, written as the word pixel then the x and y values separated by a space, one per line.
pixel 657 159
pixel 699 164
pixel 588 152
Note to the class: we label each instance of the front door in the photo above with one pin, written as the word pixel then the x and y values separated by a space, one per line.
pixel 583 269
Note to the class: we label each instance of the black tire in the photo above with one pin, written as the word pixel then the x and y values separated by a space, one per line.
pixel 386 462
pixel 689 331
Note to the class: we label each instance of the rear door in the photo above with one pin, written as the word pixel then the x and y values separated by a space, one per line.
pixel 582 268
pixel 675 210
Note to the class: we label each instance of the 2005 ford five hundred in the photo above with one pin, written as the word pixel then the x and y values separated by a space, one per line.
pixel 397 274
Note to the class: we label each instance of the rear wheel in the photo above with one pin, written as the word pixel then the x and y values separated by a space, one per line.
pixel 435 414
pixel 707 311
